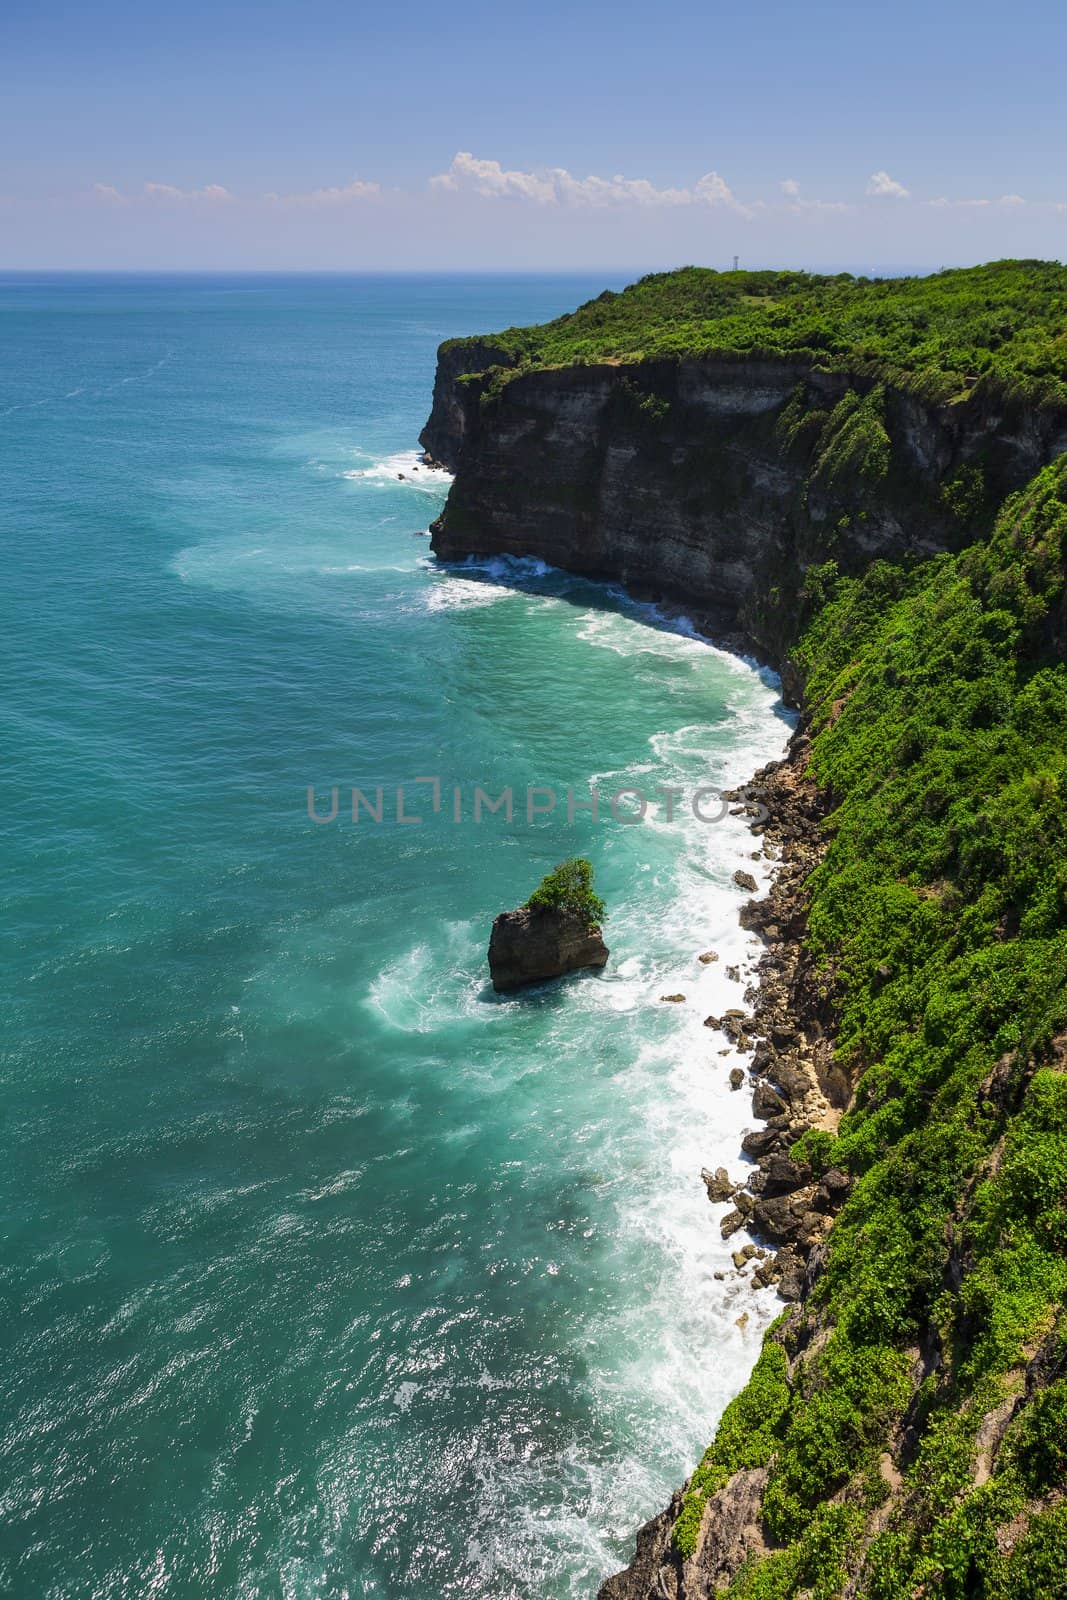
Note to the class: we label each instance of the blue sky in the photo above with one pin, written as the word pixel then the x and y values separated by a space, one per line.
pixel 344 136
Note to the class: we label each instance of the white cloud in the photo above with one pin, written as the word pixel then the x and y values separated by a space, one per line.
pixel 555 186
pixel 714 191
pixel 881 185
pixel 160 191
pixel 800 207
pixel 335 196
pixel 490 179
pixel 942 203
pixel 216 193
pixel 1011 202
pixel 167 191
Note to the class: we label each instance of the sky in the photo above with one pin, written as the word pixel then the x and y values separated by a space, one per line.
pixel 550 136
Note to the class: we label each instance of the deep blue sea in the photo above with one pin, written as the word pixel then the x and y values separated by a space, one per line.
pixel 325 1272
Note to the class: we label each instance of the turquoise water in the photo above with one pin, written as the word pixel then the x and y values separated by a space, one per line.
pixel 325 1272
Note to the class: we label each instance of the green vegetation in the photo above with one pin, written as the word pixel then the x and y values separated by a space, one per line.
pixel 1003 325
pixel 747 1436
pixel 569 887
pixel 853 442
pixel 939 700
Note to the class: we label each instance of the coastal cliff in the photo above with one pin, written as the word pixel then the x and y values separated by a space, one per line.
pixel 883 515
pixel 719 483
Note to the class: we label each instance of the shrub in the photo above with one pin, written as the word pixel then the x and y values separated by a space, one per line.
pixel 1006 321
pixel 569 887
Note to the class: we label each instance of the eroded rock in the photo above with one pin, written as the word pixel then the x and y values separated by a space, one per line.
pixel 529 946
pixel 719 1184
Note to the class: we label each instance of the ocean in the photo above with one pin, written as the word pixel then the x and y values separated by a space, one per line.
pixel 327 1272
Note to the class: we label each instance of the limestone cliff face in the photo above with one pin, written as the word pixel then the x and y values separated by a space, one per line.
pixel 718 482
pixel 445 431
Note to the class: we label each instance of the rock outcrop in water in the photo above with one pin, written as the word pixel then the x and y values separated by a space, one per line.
pixel 529 946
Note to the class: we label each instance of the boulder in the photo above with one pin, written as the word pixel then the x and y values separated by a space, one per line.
pixel 760 1142
pixel 745 880
pixel 832 1191
pixel 766 1103
pixel 529 946
pixel 812 1227
pixel 784 1175
pixel 719 1185
pixel 791 1275
pixel 777 1220
pixel 733 1023
pixel 763 1058
pixel 768 1273
pixel 731 1222
pixel 791 1084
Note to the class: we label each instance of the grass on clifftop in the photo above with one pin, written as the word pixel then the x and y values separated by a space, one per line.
pixel 1005 323
pixel 915 1445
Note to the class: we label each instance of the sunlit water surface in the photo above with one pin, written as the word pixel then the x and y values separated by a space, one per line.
pixel 325 1272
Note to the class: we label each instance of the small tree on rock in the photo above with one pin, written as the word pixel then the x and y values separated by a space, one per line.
pixel 569 887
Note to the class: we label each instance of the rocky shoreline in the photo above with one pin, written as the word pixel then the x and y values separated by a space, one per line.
pixel 796 1084
pixel 781 1203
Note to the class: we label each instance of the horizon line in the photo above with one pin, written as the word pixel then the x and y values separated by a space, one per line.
pixel 894 268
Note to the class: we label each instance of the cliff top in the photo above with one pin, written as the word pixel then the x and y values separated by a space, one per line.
pixel 1004 324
